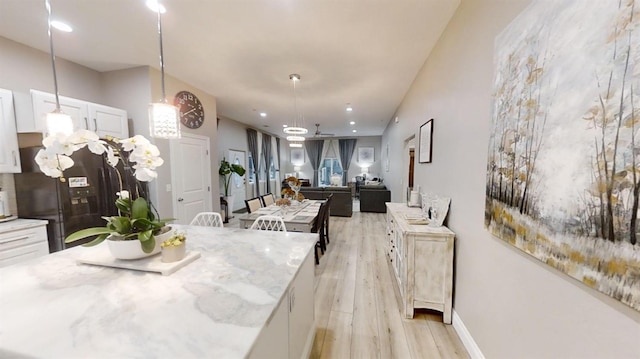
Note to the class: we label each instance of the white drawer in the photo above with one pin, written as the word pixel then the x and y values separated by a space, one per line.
pixel 23 253
pixel 22 237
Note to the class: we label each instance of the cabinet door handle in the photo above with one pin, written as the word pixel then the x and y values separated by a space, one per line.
pixel 95 124
pixel 15 159
pixel 86 123
pixel 180 199
pixel 8 240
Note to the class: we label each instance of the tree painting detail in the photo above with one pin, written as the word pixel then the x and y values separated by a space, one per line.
pixel 563 169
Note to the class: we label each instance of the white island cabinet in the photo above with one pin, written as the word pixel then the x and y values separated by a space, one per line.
pixel 22 239
pixel 9 155
pixel 249 295
pixel 422 261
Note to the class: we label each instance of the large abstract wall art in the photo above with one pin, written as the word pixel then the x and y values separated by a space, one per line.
pixel 563 169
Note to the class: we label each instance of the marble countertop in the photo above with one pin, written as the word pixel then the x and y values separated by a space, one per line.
pixel 21 223
pixel 214 307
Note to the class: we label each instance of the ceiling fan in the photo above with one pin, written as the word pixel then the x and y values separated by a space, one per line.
pixel 320 133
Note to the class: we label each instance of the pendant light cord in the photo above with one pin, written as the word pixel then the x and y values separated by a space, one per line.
pixel 53 56
pixel 295 104
pixel 164 96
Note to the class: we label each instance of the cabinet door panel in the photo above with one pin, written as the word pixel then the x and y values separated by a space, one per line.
pixel 431 264
pixel 301 316
pixel 108 121
pixel 9 156
pixel 44 103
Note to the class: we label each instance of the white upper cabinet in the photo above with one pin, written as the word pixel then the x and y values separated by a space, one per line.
pixel 104 120
pixel 9 155
pixel 108 121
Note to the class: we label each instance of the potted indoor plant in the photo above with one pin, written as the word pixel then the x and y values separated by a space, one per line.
pixel 226 171
pixel 136 226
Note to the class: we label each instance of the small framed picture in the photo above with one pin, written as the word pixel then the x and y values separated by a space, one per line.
pixel 365 154
pixel 297 156
pixel 426 139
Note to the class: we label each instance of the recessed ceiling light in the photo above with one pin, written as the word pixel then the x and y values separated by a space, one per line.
pixel 352 123
pixel 263 114
pixel 154 5
pixel 349 109
pixel 61 26
pixel 354 131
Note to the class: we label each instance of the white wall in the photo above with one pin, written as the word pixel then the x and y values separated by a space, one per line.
pixel 513 305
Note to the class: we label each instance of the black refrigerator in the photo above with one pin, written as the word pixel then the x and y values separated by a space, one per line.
pixel 88 193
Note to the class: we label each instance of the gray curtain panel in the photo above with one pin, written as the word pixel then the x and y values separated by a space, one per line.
pixel 314 150
pixel 252 139
pixel 346 147
pixel 266 154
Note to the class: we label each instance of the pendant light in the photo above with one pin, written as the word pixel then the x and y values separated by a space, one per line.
pixel 295 133
pixel 57 122
pixel 163 116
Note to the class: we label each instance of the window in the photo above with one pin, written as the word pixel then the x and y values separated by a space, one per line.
pixel 272 170
pixel 329 166
pixel 252 171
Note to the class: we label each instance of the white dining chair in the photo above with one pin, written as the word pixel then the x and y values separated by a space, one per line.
pixel 269 223
pixel 207 219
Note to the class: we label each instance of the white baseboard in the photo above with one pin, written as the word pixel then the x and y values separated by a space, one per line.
pixel 466 338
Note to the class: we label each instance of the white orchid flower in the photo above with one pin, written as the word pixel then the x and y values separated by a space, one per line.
pixel 59 144
pixel 145 174
pixel 112 159
pixel 130 143
pixel 97 146
pixel 124 194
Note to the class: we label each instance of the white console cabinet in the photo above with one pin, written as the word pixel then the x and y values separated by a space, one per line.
pixel 9 155
pixel 22 239
pixel 104 120
pixel 422 261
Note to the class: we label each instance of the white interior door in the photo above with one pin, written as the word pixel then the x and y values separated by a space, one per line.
pixel 237 187
pixel 191 177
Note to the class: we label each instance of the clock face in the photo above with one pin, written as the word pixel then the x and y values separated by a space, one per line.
pixel 191 109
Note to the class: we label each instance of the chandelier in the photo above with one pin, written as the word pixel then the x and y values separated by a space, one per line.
pixel 163 116
pixel 295 132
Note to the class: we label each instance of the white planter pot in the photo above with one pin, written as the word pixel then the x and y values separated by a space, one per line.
pixel 132 249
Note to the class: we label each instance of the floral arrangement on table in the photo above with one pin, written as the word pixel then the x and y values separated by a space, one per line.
pixel 293 190
pixel 283 202
pixel 174 248
pixel 135 220
pixel 177 239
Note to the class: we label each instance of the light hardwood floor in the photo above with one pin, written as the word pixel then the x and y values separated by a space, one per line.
pixel 356 304
pixel 357 314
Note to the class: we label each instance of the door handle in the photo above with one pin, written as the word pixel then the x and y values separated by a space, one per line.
pixel 15 159
pixel 180 199
pixel 86 123
pixel 95 124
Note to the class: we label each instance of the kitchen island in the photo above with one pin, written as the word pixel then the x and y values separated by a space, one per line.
pixel 250 294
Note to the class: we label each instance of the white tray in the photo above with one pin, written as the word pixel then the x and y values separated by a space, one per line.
pixel 100 256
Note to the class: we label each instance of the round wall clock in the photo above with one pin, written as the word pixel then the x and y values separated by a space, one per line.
pixel 191 109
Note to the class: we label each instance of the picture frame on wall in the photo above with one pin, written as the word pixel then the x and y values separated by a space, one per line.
pixel 365 155
pixel 297 156
pixel 426 142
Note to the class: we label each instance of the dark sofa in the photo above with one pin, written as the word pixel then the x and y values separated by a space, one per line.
pixel 373 198
pixel 341 204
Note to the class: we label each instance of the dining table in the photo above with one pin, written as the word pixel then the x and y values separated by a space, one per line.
pixel 298 217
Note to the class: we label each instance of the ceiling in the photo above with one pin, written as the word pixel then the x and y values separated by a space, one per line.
pixel 362 52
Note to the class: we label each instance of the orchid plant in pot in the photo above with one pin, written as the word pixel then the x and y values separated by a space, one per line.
pixel 136 221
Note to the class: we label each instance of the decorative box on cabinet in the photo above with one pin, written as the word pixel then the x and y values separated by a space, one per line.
pixel 422 260
pixel 104 120
pixel 9 154
pixel 21 240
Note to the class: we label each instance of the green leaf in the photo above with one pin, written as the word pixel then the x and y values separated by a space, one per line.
pixel 145 236
pixel 148 246
pixel 88 232
pixel 99 239
pixel 121 225
pixel 140 208
pixel 123 205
